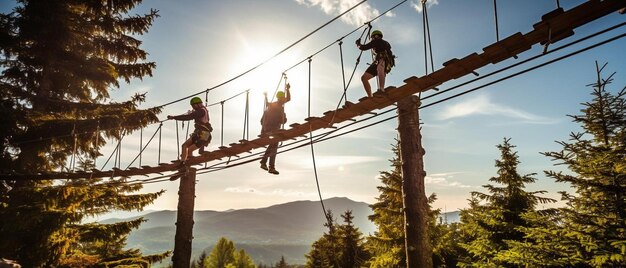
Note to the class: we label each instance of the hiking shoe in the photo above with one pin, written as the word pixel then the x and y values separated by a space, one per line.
pixel 273 171
pixel 264 166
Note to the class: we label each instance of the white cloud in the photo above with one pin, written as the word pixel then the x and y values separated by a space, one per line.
pixel 357 17
pixel 444 180
pixel 417 5
pixel 482 105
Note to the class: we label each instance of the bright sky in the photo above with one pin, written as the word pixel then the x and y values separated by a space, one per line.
pixel 199 44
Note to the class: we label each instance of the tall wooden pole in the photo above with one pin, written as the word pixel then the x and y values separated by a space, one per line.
pixel 184 220
pixel 417 242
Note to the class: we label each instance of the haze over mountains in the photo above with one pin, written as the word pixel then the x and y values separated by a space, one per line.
pixel 265 233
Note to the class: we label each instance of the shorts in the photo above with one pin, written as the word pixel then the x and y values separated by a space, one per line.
pixel 201 138
pixel 373 69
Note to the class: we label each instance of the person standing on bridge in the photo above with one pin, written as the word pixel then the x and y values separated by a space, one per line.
pixel 201 135
pixel 273 117
pixel 382 64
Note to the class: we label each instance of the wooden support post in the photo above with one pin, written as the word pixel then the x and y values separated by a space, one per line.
pixel 417 241
pixel 184 220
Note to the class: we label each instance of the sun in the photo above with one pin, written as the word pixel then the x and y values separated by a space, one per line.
pixel 265 78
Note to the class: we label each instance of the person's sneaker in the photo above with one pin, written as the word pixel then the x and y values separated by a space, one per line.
pixel 273 171
pixel 264 166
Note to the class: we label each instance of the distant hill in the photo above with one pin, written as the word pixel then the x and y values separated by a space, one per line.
pixel 265 234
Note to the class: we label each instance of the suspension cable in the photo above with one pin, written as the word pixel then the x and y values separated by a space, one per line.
pixel 144 147
pixel 495 11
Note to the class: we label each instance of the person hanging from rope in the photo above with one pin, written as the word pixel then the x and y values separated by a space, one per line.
pixel 384 61
pixel 273 117
pixel 201 135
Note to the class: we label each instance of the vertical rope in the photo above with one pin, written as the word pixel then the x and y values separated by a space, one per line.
pixel 140 144
pixel 343 74
pixel 430 45
pixel 425 37
pixel 246 120
pixel 222 129
pixel 317 183
pixel 96 144
pixel 119 153
pixel 73 158
pixel 177 141
pixel 495 11
pixel 558 4
pixel 160 132
pixel 187 132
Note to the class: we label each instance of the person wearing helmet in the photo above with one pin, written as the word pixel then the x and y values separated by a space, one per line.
pixel 273 117
pixel 382 50
pixel 201 135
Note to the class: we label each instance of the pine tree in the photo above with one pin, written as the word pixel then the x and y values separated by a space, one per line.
pixel 282 263
pixel 353 253
pixel 60 58
pixel 222 254
pixel 342 246
pixel 591 227
pixel 495 218
pixel 386 246
pixel 325 252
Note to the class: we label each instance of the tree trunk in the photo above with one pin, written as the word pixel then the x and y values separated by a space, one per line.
pixel 184 220
pixel 417 242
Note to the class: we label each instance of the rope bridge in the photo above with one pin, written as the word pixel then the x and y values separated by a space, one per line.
pixel 554 26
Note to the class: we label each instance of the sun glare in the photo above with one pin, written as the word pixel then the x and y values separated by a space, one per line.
pixel 265 78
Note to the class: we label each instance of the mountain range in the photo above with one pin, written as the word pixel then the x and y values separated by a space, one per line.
pixel 265 234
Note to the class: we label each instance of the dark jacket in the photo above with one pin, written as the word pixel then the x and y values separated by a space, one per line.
pixel 379 45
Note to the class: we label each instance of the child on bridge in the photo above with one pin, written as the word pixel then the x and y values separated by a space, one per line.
pixel 273 117
pixel 201 135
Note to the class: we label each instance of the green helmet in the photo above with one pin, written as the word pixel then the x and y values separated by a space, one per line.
pixel 280 94
pixel 195 100
pixel 377 32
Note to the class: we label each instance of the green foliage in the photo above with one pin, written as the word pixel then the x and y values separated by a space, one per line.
pixel 342 246
pixel 224 254
pixel 59 60
pixel 590 231
pixel 494 219
pixel 386 246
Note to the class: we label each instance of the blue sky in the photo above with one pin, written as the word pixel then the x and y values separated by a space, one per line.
pixel 199 44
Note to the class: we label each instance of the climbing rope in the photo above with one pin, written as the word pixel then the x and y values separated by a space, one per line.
pixel 246 118
pixel 495 11
pixel 177 141
pixel 427 40
pixel 222 128
pixel 345 86
pixel 140 145
pixel 317 182
pixel 158 130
